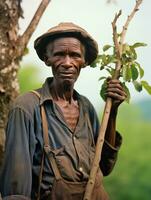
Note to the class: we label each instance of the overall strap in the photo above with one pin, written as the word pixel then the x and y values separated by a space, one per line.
pixel 46 148
pixel 36 93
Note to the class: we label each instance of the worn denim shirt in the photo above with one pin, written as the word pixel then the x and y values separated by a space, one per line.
pixel 74 151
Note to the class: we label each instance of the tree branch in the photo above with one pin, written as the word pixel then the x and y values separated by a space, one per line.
pixel 117 45
pixel 129 18
pixel 115 35
pixel 24 39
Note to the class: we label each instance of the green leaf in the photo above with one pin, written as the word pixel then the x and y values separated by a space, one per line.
pixel 126 47
pixel 110 59
pixel 146 86
pixel 125 59
pixel 103 90
pixel 141 71
pixel 129 56
pixel 137 85
pixel 127 92
pixel 94 64
pixel 106 47
pixel 132 53
pixel 134 72
pixel 102 77
pixel 104 59
pixel 126 73
pixel 110 70
pixel 102 67
pixel 139 44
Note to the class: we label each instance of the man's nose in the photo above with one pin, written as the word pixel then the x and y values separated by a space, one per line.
pixel 67 61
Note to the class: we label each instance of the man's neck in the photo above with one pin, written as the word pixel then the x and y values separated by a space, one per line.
pixel 62 92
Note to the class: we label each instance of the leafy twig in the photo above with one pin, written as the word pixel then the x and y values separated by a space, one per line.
pixel 118 49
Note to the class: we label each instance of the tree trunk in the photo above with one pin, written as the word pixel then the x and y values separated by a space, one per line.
pixel 10 11
pixel 12 47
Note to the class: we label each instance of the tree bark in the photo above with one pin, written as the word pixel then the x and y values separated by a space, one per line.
pixel 10 11
pixel 12 47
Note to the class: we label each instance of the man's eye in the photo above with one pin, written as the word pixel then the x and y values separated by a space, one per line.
pixel 58 54
pixel 76 55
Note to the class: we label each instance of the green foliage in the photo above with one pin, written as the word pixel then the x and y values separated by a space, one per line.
pixel 127 92
pixel 131 70
pixel 103 90
pixel 137 85
pixel 29 78
pixel 130 179
pixel 106 47
pixel 146 86
pixel 138 44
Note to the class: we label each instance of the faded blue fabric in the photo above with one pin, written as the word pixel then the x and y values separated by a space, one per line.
pixel 24 145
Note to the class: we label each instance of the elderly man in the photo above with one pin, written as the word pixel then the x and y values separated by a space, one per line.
pixel 51 132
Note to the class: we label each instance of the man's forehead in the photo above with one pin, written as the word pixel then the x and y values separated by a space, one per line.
pixel 65 41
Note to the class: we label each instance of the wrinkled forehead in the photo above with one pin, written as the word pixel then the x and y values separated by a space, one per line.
pixel 65 42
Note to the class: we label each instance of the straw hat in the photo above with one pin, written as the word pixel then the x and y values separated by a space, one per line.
pixel 65 30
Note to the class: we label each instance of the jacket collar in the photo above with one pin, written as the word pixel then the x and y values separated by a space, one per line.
pixel 45 94
pixel 45 91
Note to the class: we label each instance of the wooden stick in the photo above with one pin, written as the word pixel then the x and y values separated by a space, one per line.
pixel 108 105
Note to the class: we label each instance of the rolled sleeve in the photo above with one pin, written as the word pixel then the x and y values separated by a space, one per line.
pixel 109 155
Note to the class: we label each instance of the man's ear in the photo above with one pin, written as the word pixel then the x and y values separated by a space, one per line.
pixel 47 61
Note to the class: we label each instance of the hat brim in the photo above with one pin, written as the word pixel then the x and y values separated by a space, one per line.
pixel 90 44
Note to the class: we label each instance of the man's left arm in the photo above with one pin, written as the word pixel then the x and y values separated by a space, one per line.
pixel 112 137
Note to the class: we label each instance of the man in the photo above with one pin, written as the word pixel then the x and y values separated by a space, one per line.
pixel 61 172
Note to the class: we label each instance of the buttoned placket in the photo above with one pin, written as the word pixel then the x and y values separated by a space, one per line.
pixel 76 138
pixel 74 134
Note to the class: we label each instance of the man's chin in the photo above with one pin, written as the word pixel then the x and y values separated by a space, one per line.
pixel 68 82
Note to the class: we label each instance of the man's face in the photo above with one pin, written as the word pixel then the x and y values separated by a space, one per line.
pixel 66 56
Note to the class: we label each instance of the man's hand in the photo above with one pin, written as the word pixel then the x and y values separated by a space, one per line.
pixel 115 91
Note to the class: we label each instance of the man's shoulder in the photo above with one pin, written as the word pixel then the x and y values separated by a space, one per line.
pixel 27 102
pixel 85 99
pixel 86 102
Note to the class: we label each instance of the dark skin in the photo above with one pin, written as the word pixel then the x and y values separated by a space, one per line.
pixel 118 95
pixel 66 56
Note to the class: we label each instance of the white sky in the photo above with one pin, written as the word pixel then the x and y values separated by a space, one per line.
pixel 96 17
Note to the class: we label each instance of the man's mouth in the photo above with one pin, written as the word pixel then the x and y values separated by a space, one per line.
pixel 67 73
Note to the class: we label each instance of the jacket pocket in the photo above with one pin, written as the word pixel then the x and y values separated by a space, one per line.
pixel 65 164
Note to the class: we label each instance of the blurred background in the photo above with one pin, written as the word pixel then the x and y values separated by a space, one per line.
pixel 131 176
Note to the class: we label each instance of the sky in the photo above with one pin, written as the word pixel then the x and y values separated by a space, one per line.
pixel 96 17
